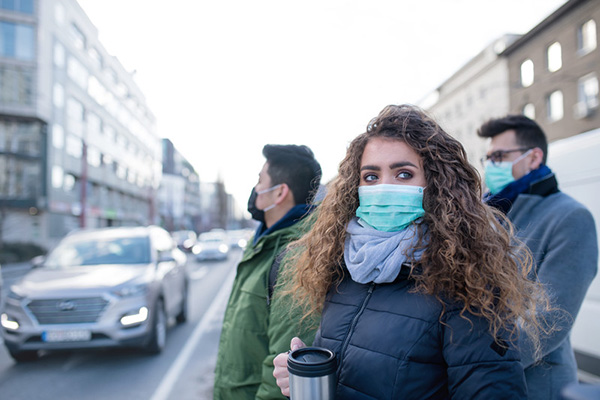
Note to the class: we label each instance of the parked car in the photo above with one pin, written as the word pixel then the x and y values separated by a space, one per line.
pixel 211 246
pixel 185 239
pixel 98 288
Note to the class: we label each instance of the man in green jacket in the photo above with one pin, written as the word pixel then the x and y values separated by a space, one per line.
pixel 256 329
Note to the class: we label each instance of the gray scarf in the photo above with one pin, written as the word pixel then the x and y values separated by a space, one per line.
pixel 377 256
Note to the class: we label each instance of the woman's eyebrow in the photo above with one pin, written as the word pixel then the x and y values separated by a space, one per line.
pixel 371 167
pixel 402 164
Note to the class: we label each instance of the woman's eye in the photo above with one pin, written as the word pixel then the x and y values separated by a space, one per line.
pixel 370 178
pixel 404 175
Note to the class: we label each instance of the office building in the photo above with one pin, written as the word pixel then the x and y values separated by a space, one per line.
pixel 78 143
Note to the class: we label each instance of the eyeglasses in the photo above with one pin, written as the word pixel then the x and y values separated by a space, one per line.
pixel 498 156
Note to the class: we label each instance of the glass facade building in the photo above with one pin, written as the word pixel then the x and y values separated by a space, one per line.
pixel 78 144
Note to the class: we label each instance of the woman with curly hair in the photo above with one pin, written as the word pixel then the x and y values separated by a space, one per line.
pixel 421 290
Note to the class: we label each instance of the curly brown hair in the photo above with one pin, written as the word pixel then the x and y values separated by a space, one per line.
pixel 470 254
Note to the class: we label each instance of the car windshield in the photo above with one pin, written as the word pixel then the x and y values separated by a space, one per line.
pixel 134 250
pixel 209 237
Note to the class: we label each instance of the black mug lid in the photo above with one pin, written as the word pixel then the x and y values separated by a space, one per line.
pixel 311 362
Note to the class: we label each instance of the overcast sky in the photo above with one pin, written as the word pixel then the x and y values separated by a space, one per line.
pixel 225 77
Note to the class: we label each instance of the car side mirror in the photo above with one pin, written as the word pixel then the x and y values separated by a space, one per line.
pixel 37 261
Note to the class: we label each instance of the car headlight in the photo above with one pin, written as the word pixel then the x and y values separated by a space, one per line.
pixel 9 323
pixel 197 249
pixel 136 317
pixel 223 248
pixel 131 290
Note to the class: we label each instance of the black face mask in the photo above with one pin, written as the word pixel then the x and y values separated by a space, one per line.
pixel 258 215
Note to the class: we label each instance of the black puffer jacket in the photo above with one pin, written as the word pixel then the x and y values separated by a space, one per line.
pixel 391 344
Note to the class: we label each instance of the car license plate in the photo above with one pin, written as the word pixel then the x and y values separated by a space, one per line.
pixel 74 335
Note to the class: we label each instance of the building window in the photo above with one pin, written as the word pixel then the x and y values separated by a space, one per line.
pixel 94 158
pixel 529 111
pixel 58 95
pixel 21 178
pixel 95 57
pixel 554 56
pixel 57 176
pixel 587 90
pixel 58 136
pixel 131 178
pixel 74 146
pixel 587 96
pixel 111 75
pixel 17 41
pixel 59 55
pixel 78 73
pixel 555 106
pixel 16 85
pixel 527 73
pixel 20 138
pixel 94 125
pixel 75 116
pixel 97 91
pixel 586 37
pixel 59 14
pixel 112 105
pixel 69 182
pixel 111 134
pixel 77 36
pixel 23 6
pixel 121 171
pixel 107 160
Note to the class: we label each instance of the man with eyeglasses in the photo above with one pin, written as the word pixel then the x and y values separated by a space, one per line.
pixel 559 231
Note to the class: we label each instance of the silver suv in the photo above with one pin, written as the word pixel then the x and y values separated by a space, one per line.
pixel 98 288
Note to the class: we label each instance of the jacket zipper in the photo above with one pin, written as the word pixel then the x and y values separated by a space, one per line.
pixel 352 326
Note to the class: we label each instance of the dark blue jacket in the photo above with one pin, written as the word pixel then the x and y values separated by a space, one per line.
pixel 391 344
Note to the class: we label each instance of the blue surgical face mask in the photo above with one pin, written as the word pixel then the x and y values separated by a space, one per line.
pixel 499 175
pixel 390 208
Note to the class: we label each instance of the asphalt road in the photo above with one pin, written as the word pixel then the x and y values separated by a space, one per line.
pixel 184 370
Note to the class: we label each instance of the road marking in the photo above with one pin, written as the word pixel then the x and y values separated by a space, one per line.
pixel 166 385
pixel 199 273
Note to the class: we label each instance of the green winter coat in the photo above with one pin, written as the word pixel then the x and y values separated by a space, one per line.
pixel 254 332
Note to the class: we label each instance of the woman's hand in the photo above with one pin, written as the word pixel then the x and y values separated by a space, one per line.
pixel 280 372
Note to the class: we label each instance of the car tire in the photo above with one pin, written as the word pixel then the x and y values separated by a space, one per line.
pixel 183 313
pixel 24 355
pixel 158 333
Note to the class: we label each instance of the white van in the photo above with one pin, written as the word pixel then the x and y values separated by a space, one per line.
pixel 576 163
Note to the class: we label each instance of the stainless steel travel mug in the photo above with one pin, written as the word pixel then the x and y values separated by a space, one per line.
pixel 312 374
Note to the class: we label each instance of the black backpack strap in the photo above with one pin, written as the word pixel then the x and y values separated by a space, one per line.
pixel 273 274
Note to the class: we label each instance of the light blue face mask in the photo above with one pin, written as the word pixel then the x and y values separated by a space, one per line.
pixel 499 175
pixel 390 208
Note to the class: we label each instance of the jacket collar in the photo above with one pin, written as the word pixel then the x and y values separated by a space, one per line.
pixel 540 182
pixel 544 187
pixel 294 215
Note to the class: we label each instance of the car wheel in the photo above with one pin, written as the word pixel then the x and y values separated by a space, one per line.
pixel 24 356
pixel 158 333
pixel 183 313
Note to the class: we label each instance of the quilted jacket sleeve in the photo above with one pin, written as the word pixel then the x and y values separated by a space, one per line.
pixel 479 368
